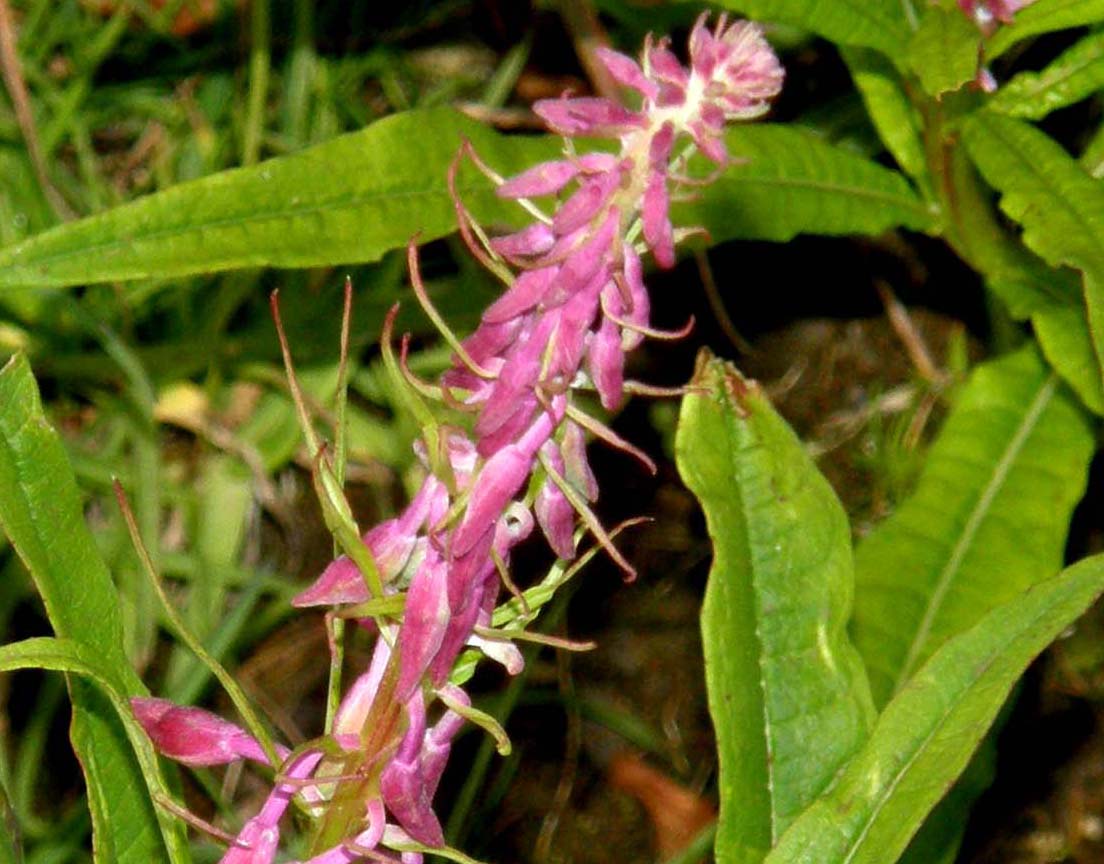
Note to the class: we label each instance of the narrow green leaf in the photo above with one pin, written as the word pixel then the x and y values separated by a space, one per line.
pixel 894 116
pixel 943 52
pixel 350 199
pixel 925 736
pixel 41 514
pixel 1075 75
pixel 297 212
pixel 787 691
pixel 1045 16
pixel 879 24
pixel 795 182
pixel 1060 206
pixel 988 518
pixel 1063 334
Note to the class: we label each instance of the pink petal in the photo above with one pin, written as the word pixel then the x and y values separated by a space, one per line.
pixel 500 480
pixel 528 290
pixel 358 699
pixel 703 49
pixel 544 179
pixel 638 294
pixel 534 240
pixel 625 71
pixel 425 618
pixel 657 226
pixel 555 515
pixel 194 736
pixel 587 201
pixel 587 116
pixel 605 363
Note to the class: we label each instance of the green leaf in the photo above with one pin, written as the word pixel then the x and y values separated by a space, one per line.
pixel 1060 206
pixel 1045 16
pixel 925 736
pixel 795 182
pixel 1077 74
pixel 41 514
pixel 895 118
pixel 787 691
pixel 349 199
pixel 943 51
pixel 988 518
pixel 1063 334
pixel 879 24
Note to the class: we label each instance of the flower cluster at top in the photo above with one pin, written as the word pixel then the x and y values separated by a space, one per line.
pixel 575 303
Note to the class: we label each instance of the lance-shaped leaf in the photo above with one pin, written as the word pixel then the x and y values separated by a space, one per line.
pixel 794 182
pixel 943 52
pixel 296 211
pixel 877 24
pixel 988 518
pixel 41 514
pixel 1045 16
pixel 895 118
pixel 1075 75
pixel 925 736
pixel 1060 206
pixel 349 199
pixel 787 691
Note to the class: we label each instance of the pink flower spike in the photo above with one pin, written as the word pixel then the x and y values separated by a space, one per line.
pixel 625 71
pixel 590 115
pixel 544 179
pixel 194 736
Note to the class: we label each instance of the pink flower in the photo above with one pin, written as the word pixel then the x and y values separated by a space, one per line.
pixel 987 14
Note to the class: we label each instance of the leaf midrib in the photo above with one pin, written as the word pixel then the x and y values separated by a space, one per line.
pixel 1068 203
pixel 760 654
pixel 1039 82
pixel 352 201
pixel 973 524
pixel 878 805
